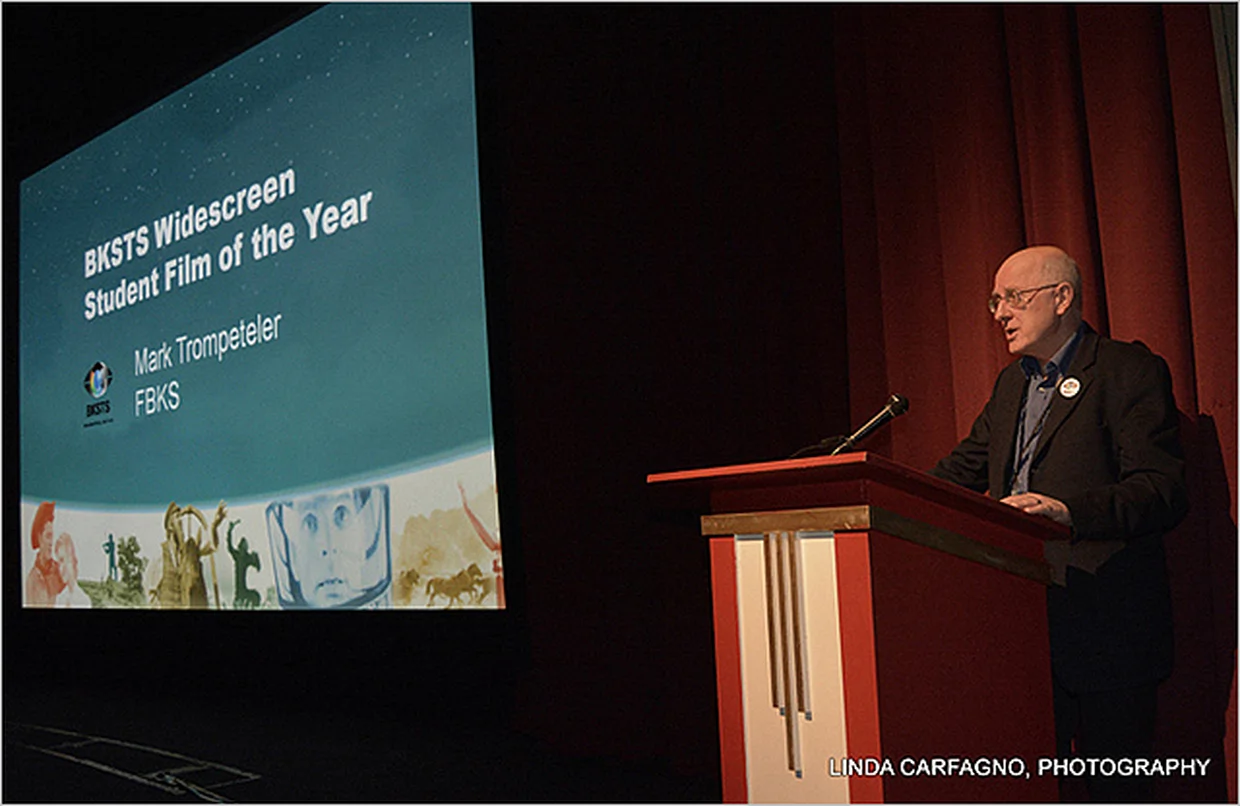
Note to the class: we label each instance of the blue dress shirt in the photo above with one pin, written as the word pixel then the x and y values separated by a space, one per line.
pixel 1040 390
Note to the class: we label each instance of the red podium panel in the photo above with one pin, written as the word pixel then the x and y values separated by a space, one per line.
pixel 880 635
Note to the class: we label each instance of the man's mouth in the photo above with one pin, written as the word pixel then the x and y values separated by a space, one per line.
pixel 331 586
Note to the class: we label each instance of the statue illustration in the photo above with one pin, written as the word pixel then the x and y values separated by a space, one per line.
pixel 243 560
pixel 131 564
pixel 109 548
pixel 181 583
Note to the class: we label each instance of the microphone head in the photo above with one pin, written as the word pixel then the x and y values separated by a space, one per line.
pixel 898 404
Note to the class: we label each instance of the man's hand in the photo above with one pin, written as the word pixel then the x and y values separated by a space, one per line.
pixel 1038 504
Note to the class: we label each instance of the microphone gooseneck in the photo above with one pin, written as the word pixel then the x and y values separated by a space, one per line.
pixel 896 405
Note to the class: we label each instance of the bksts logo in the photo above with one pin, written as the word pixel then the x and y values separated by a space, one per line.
pixel 97 381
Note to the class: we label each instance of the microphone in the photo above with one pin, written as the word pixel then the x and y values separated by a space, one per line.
pixel 897 405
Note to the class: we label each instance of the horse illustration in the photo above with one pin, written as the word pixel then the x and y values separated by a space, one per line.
pixel 454 587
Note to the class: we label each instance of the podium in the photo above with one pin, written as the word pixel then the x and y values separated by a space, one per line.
pixel 880 635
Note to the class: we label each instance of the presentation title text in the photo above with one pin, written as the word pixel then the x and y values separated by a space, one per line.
pixel 256 240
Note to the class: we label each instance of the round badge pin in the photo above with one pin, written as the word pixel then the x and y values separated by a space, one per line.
pixel 1069 387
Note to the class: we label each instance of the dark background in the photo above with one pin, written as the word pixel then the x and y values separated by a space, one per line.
pixel 665 291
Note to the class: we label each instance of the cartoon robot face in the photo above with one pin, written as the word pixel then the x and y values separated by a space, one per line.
pixel 333 550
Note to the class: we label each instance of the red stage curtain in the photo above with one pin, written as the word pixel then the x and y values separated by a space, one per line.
pixel 967 132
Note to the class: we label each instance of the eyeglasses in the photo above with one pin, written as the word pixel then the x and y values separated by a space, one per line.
pixel 1018 298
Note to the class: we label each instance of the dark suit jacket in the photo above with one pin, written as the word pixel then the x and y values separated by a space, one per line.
pixel 1112 454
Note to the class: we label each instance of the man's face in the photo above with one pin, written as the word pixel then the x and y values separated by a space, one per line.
pixel 1037 329
pixel 337 543
pixel 45 541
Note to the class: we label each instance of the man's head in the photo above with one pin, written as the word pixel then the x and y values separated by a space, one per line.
pixel 1037 301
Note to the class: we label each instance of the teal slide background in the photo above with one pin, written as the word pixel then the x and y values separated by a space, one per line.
pixel 381 361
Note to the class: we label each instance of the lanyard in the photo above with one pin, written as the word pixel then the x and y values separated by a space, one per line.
pixel 1026 443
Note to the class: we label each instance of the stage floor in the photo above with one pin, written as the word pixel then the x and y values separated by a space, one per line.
pixel 84 746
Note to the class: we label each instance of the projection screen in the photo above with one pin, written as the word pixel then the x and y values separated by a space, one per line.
pixel 253 359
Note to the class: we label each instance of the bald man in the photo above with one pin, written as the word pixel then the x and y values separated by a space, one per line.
pixel 1084 430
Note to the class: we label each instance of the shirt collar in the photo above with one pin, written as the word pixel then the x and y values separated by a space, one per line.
pixel 1059 361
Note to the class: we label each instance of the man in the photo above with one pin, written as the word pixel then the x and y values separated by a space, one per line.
pixel 43 582
pixel 1084 430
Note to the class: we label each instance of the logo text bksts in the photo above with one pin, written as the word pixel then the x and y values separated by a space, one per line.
pixel 96 383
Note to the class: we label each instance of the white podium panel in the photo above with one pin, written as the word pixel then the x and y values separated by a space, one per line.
pixel 791 667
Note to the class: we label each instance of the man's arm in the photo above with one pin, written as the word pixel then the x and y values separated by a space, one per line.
pixel 969 462
pixel 1150 494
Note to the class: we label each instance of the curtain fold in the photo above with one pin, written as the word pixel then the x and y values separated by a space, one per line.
pixel 1053 143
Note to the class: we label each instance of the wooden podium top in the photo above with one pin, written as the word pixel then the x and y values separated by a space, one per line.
pixel 862 491
pixel 850 479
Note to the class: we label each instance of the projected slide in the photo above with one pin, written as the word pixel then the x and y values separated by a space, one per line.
pixel 253 347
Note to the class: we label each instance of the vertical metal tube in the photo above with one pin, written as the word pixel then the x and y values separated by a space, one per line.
pixel 787 613
pixel 773 636
pixel 802 633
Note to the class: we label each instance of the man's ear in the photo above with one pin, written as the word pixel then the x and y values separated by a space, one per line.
pixel 1064 295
